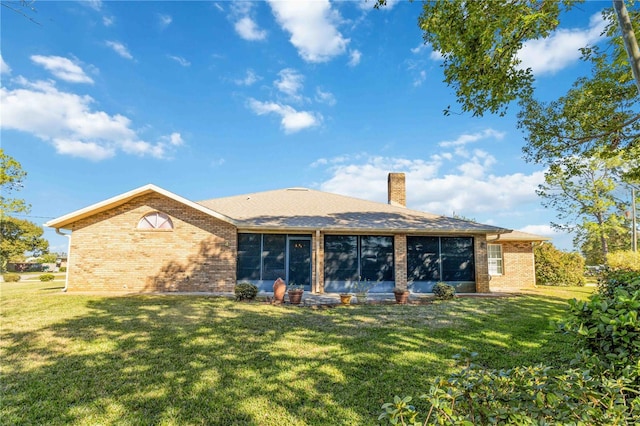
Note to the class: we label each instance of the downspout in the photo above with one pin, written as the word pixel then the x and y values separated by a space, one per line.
pixel 66 276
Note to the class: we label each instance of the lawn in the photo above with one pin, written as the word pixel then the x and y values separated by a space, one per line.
pixel 182 360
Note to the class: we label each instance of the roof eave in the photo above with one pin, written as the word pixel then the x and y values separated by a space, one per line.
pixel 63 222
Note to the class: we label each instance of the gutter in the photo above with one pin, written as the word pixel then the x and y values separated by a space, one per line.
pixel 66 277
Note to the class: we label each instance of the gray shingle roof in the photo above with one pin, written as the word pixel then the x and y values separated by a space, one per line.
pixel 306 209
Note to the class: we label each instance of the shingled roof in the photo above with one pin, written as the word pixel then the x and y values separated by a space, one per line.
pixel 302 209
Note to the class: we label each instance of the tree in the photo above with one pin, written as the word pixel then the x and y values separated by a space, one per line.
pixel 11 178
pixel 20 236
pixel 582 191
pixel 480 41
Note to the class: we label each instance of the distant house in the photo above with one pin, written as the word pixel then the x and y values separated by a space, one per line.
pixel 151 240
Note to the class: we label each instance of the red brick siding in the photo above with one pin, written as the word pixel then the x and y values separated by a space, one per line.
pixel 109 253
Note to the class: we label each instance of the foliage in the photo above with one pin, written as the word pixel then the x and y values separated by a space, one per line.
pixel 603 389
pixel 47 277
pixel 19 236
pixel 48 258
pixel 398 290
pixel 558 268
pixel 444 291
pixel 63 269
pixel 246 291
pixel 627 259
pixel 11 277
pixel 617 239
pixel 292 286
pixel 11 178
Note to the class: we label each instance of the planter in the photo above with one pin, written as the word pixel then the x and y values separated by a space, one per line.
pixel 295 296
pixel 345 299
pixel 362 298
pixel 402 297
pixel 279 288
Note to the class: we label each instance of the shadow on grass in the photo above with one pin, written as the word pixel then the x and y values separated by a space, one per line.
pixel 201 360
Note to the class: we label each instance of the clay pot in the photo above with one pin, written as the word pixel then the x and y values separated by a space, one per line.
pixel 295 296
pixel 345 299
pixel 279 288
pixel 402 297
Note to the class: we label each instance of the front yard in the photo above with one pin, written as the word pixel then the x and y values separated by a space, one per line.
pixel 178 360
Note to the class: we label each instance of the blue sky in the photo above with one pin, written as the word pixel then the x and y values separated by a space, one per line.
pixel 212 99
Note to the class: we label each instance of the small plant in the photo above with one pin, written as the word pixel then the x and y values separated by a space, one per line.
pixel 295 287
pixel 62 269
pixel 246 291
pixel 400 290
pixel 47 277
pixel 10 277
pixel 444 291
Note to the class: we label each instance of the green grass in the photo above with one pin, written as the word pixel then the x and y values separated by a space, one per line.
pixel 182 360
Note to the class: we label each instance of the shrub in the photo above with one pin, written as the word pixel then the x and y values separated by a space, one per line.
pixel 246 291
pixel 63 269
pixel 444 291
pixel 628 260
pixel 11 277
pixel 558 268
pixel 47 277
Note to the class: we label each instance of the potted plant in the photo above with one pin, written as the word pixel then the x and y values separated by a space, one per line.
pixel 345 298
pixel 295 292
pixel 362 290
pixel 401 295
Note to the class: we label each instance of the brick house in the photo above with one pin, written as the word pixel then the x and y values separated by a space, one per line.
pixel 151 240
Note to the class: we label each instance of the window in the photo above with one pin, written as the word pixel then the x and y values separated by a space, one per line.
pixel 352 257
pixel 494 253
pixel 440 259
pixel 155 220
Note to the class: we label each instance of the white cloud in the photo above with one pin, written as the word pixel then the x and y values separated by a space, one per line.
pixel 422 76
pixel 442 183
pixel 325 97
pixel 4 67
pixel 249 30
pixel 467 138
pixel 93 4
pixel 108 21
pixel 70 123
pixel 290 83
pixel 179 59
pixel 312 25
pixel 165 20
pixel 354 58
pixel 370 4
pixel 249 79
pixel 62 68
pixel 561 48
pixel 544 230
pixel 292 121
pixel 119 48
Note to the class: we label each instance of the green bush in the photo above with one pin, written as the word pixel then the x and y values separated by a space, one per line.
pixel 558 268
pixel 246 291
pixel 10 277
pixel 63 269
pixel 628 260
pixel 47 277
pixel 444 291
pixel 603 390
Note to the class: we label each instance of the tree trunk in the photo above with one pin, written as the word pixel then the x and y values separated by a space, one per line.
pixel 630 40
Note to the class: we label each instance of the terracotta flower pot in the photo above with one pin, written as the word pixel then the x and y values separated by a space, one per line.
pixel 295 296
pixel 402 297
pixel 279 288
pixel 345 299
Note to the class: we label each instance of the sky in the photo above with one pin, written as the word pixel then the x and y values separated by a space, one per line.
pixel 210 99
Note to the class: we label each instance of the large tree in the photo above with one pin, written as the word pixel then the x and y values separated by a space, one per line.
pixel 11 180
pixel 480 42
pixel 583 192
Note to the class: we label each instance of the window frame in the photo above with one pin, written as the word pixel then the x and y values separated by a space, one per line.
pixel 155 226
pixel 499 262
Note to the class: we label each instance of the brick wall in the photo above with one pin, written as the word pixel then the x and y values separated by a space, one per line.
pixel 109 253
pixel 518 266
pixel 400 257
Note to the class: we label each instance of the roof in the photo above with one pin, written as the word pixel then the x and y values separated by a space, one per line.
pixel 298 210
pixel 307 209
pixel 519 236
pixel 63 221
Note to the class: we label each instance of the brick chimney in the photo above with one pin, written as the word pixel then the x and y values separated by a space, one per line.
pixel 396 190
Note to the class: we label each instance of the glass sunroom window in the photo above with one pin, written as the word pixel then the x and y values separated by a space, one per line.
pixel 494 253
pixel 354 258
pixel 432 259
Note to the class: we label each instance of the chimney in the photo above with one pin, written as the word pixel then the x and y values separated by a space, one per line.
pixel 396 190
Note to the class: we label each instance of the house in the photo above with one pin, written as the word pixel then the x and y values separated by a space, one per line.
pixel 151 240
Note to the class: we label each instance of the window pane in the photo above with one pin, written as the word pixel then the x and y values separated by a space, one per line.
pixel 457 259
pixel 376 259
pixel 423 258
pixel 494 253
pixel 341 257
pixel 249 256
pixel 273 257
